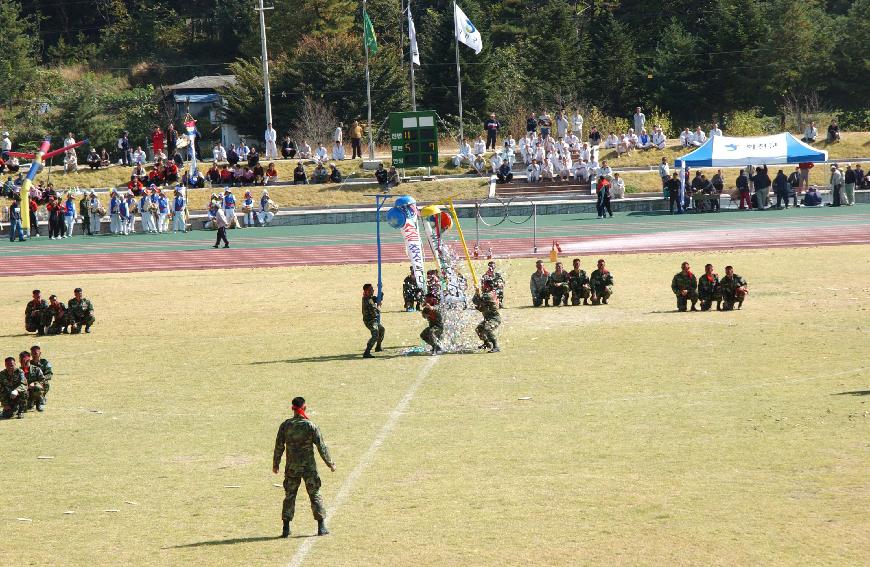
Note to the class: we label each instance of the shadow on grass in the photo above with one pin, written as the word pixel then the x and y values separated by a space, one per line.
pixel 855 393
pixel 232 541
pixel 332 358
pixel 13 336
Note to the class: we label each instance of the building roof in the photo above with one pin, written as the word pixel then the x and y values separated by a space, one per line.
pixel 212 82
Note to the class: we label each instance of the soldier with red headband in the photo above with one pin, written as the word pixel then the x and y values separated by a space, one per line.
pixel 486 302
pixel 298 435
pixel 431 335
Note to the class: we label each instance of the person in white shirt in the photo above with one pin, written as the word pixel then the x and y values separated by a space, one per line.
pixel 479 165
pixel 70 162
pixel 495 162
pixel 810 134
pixel 271 139
pixel 464 155
pixel 577 122
pixel 5 143
pixel 479 146
pixel 665 174
pixel 219 153
pixel 243 151
pixel 585 152
pixel 512 143
pixel 632 138
pixel 698 138
pixel 644 142
pixel 639 120
pixel 617 187
pixel 70 140
pixel 623 146
pixel 715 131
pixel 507 155
pixel 581 175
pixel 658 139
pixel 573 141
pixel 265 215
pixel 605 170
pixel 320 155
pixel 547 169
pixel 534 171
pixel 338 134
pixel 564 169
pixel 304 150
pixel 526 149
pixel 611 141
pixel 96 218
pixel 686 138
pixel 337 151
pixel 540 153
pixel 561 124
pixel 138 156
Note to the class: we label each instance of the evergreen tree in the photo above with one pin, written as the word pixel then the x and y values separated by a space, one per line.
pixel 18 49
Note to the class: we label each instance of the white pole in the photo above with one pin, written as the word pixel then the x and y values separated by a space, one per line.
pixel 458 75
pixel 265 56
pixel 368 87
pixel 411 57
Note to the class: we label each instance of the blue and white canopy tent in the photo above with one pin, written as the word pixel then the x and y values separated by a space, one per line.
pixel 726 151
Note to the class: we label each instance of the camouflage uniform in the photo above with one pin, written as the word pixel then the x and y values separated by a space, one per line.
pixel 81 313
pixel 730 292
pixel 37 316
pixel 371 319
pixel 559 287
pixel 579 284
pixel 48 372
pixel 498 283
pixel 602 286
pixel 36 387
pixel 10 382
pixel 297 435
pixel 540 288
pixel 709 291
pixel 431 335
pixel 688 283
pixel 412 293
pixel 62 319
pixel 487 303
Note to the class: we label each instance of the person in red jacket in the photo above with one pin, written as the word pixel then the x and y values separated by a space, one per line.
pixel 805 175
pixel 157 141
pixel 34 225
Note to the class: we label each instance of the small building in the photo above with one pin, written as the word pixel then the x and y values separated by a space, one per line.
pixel 200 96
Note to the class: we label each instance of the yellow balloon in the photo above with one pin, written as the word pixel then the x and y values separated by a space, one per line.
pixel 429 210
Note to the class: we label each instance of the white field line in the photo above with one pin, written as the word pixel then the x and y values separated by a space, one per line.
pixel 367 459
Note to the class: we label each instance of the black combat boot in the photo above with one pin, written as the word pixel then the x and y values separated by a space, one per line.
pixel 76 329
pixel 321 527
pixel 585 301
pixel 368 353
pixel 87 328
pixel 285 531
pixel 494 347
pixel 718 306
pixel 378 348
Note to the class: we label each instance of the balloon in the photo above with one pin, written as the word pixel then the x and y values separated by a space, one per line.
pixel 405 200
pixel 396 217
pixel 442 219
pixel 429 210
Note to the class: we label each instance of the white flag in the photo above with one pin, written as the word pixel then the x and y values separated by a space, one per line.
pixel 412 36
pixel 465 31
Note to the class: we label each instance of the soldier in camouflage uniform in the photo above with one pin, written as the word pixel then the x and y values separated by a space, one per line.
pixel 709 289
pixel 734 289
pixel 559 286
pixel 297 435
pixel 35 381
pixel 431 335
pixel 411 292
pixel 37 315
pixel 13 390
pixel 61 317
pixel 601 283
pixel 540 285
pixel 497 280
pixel 685 287
pixel 487 303
pixel 81 312
pixel 578 282
pixel 371 312
pixel 45 366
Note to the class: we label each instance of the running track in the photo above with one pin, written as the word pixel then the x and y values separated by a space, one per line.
pixel 334 251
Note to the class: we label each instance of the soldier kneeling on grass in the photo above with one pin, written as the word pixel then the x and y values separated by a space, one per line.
pixel 36 385
pixel 486 302
pixel 61 319
pixel 579 284
pixel 81 312
pixel 734 289
pixel 13 390
pixel 709 289
pixel 431 335
pixel 540 285
pixel 601 282
pixel 685 287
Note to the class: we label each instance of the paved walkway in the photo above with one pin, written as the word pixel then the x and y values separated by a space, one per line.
pixel 354 243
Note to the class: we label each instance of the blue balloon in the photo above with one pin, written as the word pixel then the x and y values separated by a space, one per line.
pixel 405 200
pixel 396 217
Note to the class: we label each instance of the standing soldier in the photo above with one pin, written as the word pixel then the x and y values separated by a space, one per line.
pixel 431 335
pixel 497 280
pixel 709 289
pixel 45 366
pixel 601 282
pixel 85 212
pixel 37 315
pixel 13 390
pixel 559 287
pixel 81 312
pixel 297 435
pixel 371 312
pixel 487 303
pixel 685 287
pixel 411 292
pixel 540 285
pixel 578 282
pixel 35 381
pixel 734 289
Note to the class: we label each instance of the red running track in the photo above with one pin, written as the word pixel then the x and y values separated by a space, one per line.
pixel 325 254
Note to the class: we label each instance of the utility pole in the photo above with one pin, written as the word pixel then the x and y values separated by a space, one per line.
pixel 265 56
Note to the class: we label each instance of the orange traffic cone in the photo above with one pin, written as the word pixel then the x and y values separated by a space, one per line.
pixel 489 253
pixel 554 256
pixel 476 252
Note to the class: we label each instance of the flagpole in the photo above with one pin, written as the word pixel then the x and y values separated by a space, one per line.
pixel 458 75
pixel 368 87
pixel 411 57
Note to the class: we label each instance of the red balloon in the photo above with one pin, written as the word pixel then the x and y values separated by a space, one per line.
pixel 443 220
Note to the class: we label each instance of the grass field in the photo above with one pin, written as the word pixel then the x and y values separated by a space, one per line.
pixel 650 437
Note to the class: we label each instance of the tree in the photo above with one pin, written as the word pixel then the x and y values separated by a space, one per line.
pixel 553 58
pixel 18 49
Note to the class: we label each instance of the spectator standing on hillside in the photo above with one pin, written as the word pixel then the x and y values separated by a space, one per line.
pixel 492 126
pixel 270 137
pixel 531 123
pixel 545 123
pixel 356 133
pixel 577 123
pixel 639 120
pixel 124 148
pixel 157 141
pixel 171 140
pixel 5 145
pixel 811 133
pixel 561 125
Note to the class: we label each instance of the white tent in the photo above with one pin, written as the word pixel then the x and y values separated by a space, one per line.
pixel 726 151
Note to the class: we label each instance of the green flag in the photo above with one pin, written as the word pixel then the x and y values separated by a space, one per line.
pixel 370 38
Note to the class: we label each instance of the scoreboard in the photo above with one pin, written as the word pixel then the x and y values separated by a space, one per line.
pixel 414 139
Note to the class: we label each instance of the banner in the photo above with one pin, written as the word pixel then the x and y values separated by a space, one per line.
pixel 403 216
pixel 466 32
pixel 371 40
pixel 412 37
